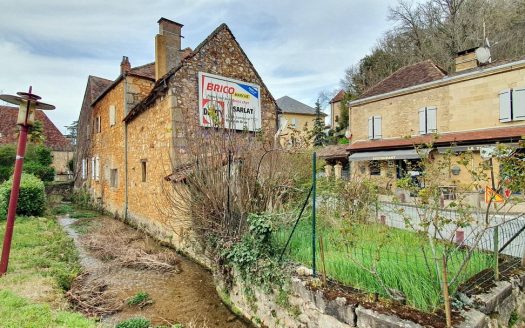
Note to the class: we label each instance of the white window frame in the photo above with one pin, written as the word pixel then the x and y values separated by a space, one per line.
pixel 112 115
pixel 83 168
pixel 374 127
pixel 512 105
pixel 93 168
pixel 428 120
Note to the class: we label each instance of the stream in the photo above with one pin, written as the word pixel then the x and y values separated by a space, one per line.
pixel 188 297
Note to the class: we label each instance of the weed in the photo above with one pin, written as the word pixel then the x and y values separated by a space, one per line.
pixel 137 322
pixel 514 319
pixel 63 209
pixel 139 298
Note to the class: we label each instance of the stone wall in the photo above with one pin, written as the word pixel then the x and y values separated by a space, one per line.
pixel 309 307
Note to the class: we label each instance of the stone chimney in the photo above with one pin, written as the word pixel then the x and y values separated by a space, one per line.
pixel 466 59
pixel 125 66
pixel 167 46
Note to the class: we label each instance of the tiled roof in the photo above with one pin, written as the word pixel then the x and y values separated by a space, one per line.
pixel 333 151
pixel 290 105
pixel 97 85
pixel 422 72
pixel 147 70
pixel 338 97
pixel 54 139
pixel 489 135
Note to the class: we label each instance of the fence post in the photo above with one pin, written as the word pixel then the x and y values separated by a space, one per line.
pixel 314 177
pixel 446 296
pixel 496 253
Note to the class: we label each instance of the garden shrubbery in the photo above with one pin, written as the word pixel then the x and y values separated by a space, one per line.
pixel 31 200
pixel 37 161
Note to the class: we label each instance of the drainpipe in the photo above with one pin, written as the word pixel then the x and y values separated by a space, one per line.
pixel 125 149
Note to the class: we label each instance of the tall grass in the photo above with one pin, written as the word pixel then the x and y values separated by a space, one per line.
pixel 374 257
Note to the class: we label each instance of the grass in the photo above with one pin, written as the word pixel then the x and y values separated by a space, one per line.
pixel 43 263
pixel 139 298
pixel 73 211
pixel 18 312
pixel 400 259
pixel 137 322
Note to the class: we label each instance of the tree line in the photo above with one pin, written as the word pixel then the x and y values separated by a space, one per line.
pixel 438 30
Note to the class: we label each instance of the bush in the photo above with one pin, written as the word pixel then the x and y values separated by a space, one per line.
pixel 7 159
pixel 32 197
pixel 45 173
pixel 134 323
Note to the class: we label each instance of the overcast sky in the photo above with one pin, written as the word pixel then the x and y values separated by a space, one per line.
pixel 300 48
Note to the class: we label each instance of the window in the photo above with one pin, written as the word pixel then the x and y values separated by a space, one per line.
pixel 113 178
pixel 112 115
pixel 427 120
pixel 374 127
pixel 83 169
pixel 293 123
pixel 512 105
pixel 93 168
pixel 143 165
pixel 374 167
pixel 96 125
pixel 337 118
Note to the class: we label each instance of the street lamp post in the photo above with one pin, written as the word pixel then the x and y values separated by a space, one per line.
pixel 28 103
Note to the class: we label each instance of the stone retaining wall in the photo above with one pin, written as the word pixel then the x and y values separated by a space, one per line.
pixel 310 308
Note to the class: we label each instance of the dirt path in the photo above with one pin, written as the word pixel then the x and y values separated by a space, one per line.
pixel 185 296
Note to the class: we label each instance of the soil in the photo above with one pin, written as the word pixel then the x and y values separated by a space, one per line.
pixel 186 295
pixel 356 297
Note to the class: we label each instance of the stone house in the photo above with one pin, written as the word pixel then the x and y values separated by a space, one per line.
pixel 335 109
pixel 474 107
pixel 132 127
pixel 300 120
pixel 61 148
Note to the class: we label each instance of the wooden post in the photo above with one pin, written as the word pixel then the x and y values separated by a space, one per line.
pixel 446 296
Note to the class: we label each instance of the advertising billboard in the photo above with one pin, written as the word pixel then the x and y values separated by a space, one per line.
pixel 228 103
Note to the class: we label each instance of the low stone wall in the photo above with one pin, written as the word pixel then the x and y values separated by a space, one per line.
pixel 312 308
pixel 64 189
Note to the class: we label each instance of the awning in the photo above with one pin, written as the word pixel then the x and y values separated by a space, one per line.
pixel 390 155
pixel 473 148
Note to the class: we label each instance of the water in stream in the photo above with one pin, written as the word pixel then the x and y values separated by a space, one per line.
pixel 188 296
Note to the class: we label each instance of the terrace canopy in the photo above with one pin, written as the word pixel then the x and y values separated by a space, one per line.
pixel 385 155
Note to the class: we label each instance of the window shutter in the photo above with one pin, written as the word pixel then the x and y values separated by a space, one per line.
pixel 377 127
pixel 111 115
pixel 93 168
pixel 431 119
pixel 83 168
pixel 518 103
pixel 371 127
pixel 97 164
pixel 423 121
pixel 505 106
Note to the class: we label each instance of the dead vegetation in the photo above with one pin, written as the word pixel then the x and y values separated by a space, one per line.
pixel 128 248
pixel 91 297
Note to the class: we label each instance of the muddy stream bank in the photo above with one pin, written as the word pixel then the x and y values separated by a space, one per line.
pixel 186 295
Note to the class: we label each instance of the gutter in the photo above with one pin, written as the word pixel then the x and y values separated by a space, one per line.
pixel 444 81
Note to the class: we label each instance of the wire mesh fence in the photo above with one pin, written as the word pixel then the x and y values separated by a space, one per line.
pixel 394 254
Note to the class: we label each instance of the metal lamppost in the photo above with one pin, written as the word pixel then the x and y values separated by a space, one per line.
pixel 27 104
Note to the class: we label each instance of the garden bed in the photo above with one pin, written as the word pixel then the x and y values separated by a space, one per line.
pixel 381 260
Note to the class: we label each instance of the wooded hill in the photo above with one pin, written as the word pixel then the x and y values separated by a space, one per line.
pixel 438 30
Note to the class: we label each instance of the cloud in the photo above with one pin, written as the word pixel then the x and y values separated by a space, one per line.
pixel 299 48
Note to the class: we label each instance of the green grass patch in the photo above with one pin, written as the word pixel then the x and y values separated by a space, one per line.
pixel 41 248
pixel 138 298
pixel 18 312
pixel 400 259
pixel 138 322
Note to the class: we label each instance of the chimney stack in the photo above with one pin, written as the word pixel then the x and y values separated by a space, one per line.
pixel 466 59
pixel 167 47
pixel 125 66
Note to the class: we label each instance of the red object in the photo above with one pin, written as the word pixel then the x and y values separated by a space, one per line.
pixel 460 237
pixel 13 198
pixel 508 192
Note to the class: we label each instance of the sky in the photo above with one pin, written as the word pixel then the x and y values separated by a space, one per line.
pixel 300 48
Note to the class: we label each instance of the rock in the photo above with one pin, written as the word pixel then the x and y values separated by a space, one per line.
pixel 304 271
pixel 231 318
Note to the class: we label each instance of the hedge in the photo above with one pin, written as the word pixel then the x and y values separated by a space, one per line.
pixel 31 200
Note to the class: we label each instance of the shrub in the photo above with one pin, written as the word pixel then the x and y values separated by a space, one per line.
pixel 139 298
pixel 31 200
pixel 7 158
pixel 134 323
pixel 45 173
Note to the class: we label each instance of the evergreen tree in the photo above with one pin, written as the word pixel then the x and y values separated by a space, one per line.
pixel 317 134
